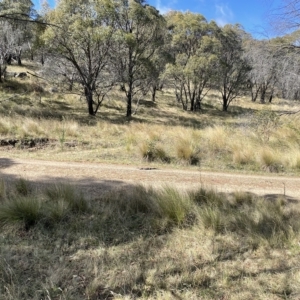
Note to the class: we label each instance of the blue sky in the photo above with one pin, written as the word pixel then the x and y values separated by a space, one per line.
pixel 251 14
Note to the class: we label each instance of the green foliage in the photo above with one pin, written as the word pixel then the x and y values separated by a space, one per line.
pixel 232 67
pixel 192 41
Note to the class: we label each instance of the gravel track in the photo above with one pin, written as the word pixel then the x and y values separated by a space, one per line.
pixel 98 178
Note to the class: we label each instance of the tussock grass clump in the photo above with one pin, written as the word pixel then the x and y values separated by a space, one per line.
pixel 23 187
pixel 258 219
pixel 21 210
pixel 187 151
pixel 2 190
pixel 174 205
pixel 22 205
pixel 4 127
pixel 147 208
pixel 66 197
pixel 152 150
pixel 269 160
pixel 31 128
pixel 217 138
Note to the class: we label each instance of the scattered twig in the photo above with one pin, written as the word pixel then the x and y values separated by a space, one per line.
pixel 289 113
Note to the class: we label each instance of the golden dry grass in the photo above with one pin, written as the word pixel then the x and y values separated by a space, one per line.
pixel 250 137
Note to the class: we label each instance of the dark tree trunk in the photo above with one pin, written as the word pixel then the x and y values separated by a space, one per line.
pixel 8 58
pixel 19 61
pixel 198 104
pixel 42 59
pixel 193 104
pixel 89 99
pixel 18 54
pixel 270 99
pixel 262 95
pixel 129 101
pixel 225 103
pixel 153 94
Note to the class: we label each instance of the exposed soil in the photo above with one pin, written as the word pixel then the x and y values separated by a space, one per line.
pixel 98 178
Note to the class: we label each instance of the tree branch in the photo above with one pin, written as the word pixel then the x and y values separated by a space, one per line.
pixel 18 17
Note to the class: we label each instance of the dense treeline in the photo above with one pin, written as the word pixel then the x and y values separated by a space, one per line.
pixel 90 47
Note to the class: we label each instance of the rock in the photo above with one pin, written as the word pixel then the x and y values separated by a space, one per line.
pixel 21 74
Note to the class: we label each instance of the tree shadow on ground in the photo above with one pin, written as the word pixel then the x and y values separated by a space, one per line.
pixel 118 238
pixel 6 163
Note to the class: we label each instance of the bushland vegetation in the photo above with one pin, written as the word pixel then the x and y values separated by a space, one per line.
pixel 140 242
pixel 251 137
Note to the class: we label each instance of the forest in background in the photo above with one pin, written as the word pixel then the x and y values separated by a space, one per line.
pixel 90 48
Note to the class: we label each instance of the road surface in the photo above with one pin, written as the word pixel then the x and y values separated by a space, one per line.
pixel 98 178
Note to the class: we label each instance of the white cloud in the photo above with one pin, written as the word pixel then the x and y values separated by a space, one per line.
pixel 224 14
pixel 163 9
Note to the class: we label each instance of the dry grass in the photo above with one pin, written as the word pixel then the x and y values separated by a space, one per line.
pixel 141 243
pixel 250 137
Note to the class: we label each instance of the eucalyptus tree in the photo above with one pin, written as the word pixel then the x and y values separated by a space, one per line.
pixel 193 46
pixel 15 27
pixel 233 67
pixel 264 60
pixel 288 65
pixel 139 30
pixel 80 48
pixel 14 30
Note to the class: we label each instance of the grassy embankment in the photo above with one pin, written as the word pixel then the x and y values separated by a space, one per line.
pixel 143 243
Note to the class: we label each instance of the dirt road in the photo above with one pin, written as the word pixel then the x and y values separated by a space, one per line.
pixel 98 178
